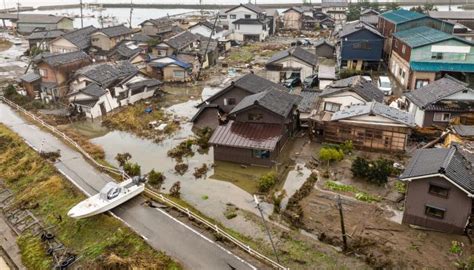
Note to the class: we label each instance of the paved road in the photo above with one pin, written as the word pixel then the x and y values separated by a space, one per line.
pixel 163 232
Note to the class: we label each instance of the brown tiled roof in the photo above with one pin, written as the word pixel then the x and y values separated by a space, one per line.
pixel 247 135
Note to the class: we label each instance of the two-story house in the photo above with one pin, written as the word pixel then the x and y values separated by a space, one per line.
pixel 295 62
pixel 337 9
pixel 41 39
pixel 293 18
pixel 105 39
pixel 216 108
pixel 56 69
pixel 177 43
pixel 401 19
pixel 260 126
pixel 440 190
pixel 248 22
pixel 440 102
pixel 77 40
pixel 205 28
pixel 361 46
pixel 157 28
pixel 421 55
pixel 28 23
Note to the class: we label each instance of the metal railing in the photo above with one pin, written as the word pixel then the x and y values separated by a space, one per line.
pixel 150 192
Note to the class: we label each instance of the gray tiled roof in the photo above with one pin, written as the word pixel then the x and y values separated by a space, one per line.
pixel 45 34
pixel 115 31
pixel 249 21
pixel 375 108
pixel 296 52
pixel 81 37
pixel 276 101
pixel 181 40
pixel 159 22
pixel 125 51
pixel 436 91
pixel 140 37
pixel 297 9
pixel 93 90
pixel 40 18
pixel 350 28
pixel 464 130
pixel 308 101
pixel 334 3
pixel 256 84
pixel 30 77
pixel 209 25
pixel 250 6
pixel 446 161
pixel 105 74
pixel 322 42
pixel 60 59
pixel 144 83
pixel 357 84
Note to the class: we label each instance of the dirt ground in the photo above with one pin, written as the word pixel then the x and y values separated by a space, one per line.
pixel 381 242
pixel 5 45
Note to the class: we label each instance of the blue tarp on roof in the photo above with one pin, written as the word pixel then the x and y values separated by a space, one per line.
pixel 401 15
pixel 437 67
pixel 175 62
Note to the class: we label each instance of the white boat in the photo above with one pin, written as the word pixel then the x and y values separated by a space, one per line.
pixel 109 197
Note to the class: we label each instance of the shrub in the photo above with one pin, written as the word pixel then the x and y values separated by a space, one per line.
pixel 266 182
pixel 360 167
pixel 123 158
pixel 181 168
pixel 9 91
pixel 132 169
pixel 330 155
pixel 175 190
pixel 376 171
pixel 347 146
pixel 184 149
pixel 201 171
pixel 202 137
pixel 156 179
pixel 401 187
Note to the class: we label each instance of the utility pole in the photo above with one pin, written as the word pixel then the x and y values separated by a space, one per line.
pixel 131 12
pixel 266 228
pixel 207 46
pixel 343 229
pixel 82 21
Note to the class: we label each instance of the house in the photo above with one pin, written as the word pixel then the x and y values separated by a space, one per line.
pixel 440 190
pixel 326 74
pixel 325 49
pixel 327 23
pixel 370 17
pixel 372 126
pixel 157 28
pixel 337 9
pixel 462 31
pixel 56 70
pixel 465 17
pixel 175 44
pixel 401 19
pixel 421 55
pixel 41 39
pixel 464 131
pixel 439 102
pixel 361 47
pixel 224 101
pixel 126 50
pixel 310 23
pixel 260 126
pixel 27 23
pixel 248 22
pixel 293 62
pixel 204 28
pixel 31 82
pixel 169 69
pixel 307 107
pixel 96 101
pixel 105 39
pixel 77 40
pixel 293 18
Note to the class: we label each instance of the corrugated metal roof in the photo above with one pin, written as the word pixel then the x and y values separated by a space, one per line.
pixel 421 36
pixel 247 135
pixel 436 66
pixel 401 15
pixel 464 130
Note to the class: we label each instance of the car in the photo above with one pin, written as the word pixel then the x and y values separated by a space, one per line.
pixel 235 43
pixel 385 85
pixel 292 82
pixel 302 42
pixel 311 81
pixel 367 78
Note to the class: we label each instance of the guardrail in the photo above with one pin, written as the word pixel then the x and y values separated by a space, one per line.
pixel 150 192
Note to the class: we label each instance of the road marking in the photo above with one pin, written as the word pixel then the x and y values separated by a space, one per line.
pixel 205 238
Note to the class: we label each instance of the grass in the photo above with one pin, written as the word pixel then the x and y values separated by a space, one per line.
pixel 35 181
pixel 5 45
pixel 359 195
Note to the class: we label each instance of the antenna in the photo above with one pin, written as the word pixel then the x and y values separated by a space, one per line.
pixel 82 21
pixel 131 12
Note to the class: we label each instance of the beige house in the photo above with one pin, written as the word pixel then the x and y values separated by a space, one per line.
pixel 107 38
pixel 73 41
pixel 293 18
pixel 169 69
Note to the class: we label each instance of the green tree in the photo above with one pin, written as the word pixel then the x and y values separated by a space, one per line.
pixel 132 169
pixel 123 158
pixel 330 155
pixel 266 182
pixel 156 179
pixel 360 167
pixel 379 171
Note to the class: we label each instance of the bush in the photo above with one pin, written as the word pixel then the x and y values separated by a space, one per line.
pixel 156 179
pixel 376 171
pixel 9 91
pixel 330 155
pixel 123 158
pixel 266 182
pixel 360 167
pixel 175 190
pixel 132 169
pixel 181 168
pixel 202 137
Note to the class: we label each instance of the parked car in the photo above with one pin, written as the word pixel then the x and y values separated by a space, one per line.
pixel 235 43
pixel 16 41
pixel 311 81
pixel 367 78
pixel 385 85
pixel 292 82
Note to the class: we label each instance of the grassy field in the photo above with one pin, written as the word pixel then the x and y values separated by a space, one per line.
pixel 102 241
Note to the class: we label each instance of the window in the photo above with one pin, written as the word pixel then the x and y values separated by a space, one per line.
pixel 331 107
pixel 95 39
pixel 229 101
pixel 43 72
pixel 178 73
pixel 255 116
pixel 363 45
pixel 223 16
pixel 404 49
pixel 233 16
pixel 441 117
pixel 263 154
pixel 421 83
pixel 247 16
pixel 438 191
pixel 437 56
pixel 434 212
pixel 395 44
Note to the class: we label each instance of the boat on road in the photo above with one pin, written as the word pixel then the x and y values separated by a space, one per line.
pixel 110 196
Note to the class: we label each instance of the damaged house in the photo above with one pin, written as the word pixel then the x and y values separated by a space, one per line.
pixel 157 28
pixel 77 40
pixel 105 39
pixel 169 69
pixel 291 63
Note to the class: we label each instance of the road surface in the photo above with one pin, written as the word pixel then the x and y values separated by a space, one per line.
pixel 163 232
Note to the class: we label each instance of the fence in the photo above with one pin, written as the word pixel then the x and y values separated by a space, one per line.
pixel 150 192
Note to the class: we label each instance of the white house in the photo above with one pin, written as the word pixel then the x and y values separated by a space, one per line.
pixel 291 62
pixel 248 22
pixel 204 28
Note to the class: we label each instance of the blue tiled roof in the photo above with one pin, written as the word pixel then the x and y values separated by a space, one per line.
pixel 401 15
pixel 420 36
pixel 441 66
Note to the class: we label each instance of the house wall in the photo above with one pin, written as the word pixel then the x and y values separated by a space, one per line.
pixel 292 63
pixel 169 74
pixel 374 53
pixel 292 20
pixel 325 51
pixel 208 118
pixel 268 117
pixel 417 113
pixel 451 50
pixel 66 24
pixel 386 28
pixel 400 68
pixel 345 99
pixel 458 205
pixel 242 156
pixel 52 75
pixel 250 29
pixel 203 30
pixel 95 112
pixel 429 118
pixel 416 75
pixel 239 13
pixel 62 45
pixel 26 28
pixel 234 92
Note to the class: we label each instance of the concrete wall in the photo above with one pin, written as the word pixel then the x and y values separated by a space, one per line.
pixel 458 205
